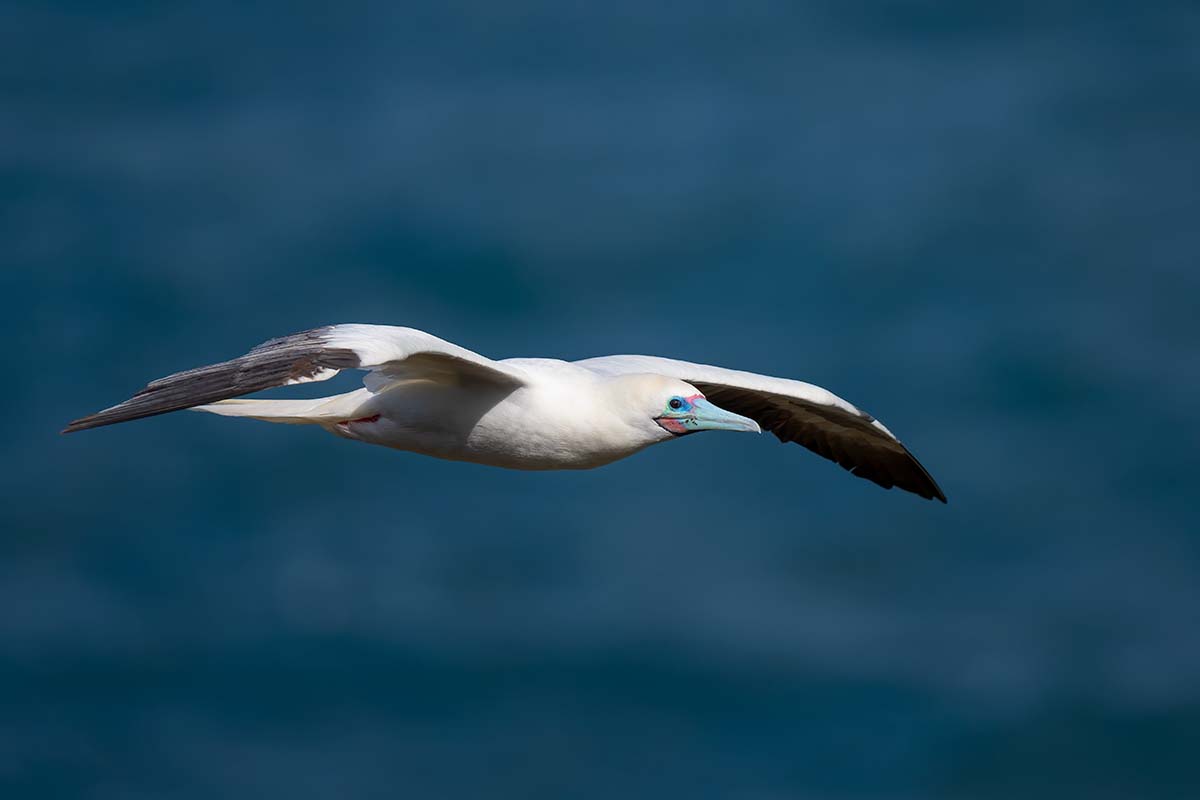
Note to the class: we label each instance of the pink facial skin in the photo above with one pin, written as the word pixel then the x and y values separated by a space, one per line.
pixel 676 425
pixel 372 418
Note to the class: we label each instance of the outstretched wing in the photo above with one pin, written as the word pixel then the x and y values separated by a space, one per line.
pixel 391 353
pixel 795 412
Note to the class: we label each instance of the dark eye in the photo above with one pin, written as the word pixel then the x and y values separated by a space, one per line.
pixel 675 403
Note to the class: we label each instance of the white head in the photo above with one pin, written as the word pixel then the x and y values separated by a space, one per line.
pixel 661 408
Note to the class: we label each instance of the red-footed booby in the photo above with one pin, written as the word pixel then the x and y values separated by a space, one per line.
pixel 430 396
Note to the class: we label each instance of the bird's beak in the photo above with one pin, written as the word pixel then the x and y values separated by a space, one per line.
pixel 704 416
pixel 711 418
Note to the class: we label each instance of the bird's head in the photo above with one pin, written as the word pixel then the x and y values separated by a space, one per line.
pixel 677 408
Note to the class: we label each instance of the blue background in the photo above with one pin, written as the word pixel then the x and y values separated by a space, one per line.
pixel 978 222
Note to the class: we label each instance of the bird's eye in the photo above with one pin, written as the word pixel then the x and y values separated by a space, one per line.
pixel 675 403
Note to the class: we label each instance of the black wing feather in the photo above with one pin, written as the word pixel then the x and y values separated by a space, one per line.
pixel 849 440
pixel 273 363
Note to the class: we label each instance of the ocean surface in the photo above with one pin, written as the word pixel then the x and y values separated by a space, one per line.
pixel 978 221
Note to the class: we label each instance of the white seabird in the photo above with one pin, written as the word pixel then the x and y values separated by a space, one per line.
pixel 430 396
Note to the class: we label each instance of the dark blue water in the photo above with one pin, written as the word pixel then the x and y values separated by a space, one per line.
pixel 981 223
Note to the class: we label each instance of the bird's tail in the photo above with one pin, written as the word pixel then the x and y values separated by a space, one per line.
pixel 318 411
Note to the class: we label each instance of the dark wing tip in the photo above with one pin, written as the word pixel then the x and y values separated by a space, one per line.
pixel 97 420
pixel 832 433
pixel 278 362
pixel 894 470
pixel 84 423
pixel 925 485
pixel 111 416
pixel 893 466
pixel 930 493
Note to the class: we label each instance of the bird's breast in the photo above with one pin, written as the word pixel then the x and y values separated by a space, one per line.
pixel 518 429
pixel 527 433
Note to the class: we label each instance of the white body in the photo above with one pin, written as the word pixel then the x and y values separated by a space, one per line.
pixel 560 420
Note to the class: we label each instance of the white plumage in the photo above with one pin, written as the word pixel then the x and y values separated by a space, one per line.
pixel 430 396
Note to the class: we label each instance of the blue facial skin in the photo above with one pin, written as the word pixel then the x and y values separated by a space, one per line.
pixel 680 405
pixel 684 415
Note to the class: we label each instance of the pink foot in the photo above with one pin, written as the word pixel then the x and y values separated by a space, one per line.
pixel 372 418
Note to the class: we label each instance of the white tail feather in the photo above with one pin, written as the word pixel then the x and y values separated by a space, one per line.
pixel 320 410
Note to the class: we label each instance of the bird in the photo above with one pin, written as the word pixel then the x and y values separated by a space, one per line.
pixel 429 396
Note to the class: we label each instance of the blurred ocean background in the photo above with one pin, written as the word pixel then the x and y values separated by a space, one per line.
pixel 979 221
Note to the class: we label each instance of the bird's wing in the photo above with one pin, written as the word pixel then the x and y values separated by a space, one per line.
pixel 390 353
pixel 795 412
